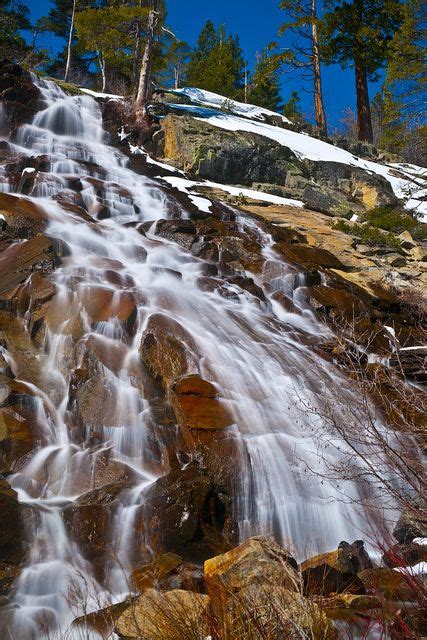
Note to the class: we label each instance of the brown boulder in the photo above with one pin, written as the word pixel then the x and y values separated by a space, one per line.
pixel 405 554
pixel 257 586
pixel 350 607
pixel 336 571
pixel 102 304
pixel 309 257
pixel 168 350
pixel 328 299
pixel 196 406
pixel 166 615
pixel 392 584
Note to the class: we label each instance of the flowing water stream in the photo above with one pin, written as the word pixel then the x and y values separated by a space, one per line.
pixel 252 351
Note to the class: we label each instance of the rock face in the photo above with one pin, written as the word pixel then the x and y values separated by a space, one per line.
pixel 243 158
pixel 19 96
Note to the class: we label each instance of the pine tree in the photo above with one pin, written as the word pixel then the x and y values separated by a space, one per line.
pixel 292 108
pixel 14 17
pixel 302 58
pixel 404 87
pixel 217 64
pixel 264 88
pixel 357 34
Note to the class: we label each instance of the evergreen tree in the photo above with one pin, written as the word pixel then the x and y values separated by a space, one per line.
pixel 14 17
pixel 404 89
pixel 217 64
pixel 292 108
pixel 107 31
pixel 264 89
pixel 302 58
pixel 358 33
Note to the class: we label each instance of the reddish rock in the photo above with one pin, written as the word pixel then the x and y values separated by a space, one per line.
pixel 19 260
pixel 16 437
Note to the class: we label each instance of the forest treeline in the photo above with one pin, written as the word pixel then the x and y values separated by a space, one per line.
pixel 128 47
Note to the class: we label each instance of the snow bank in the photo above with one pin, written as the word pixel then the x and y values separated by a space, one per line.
pixel 95 94
pixel 210 99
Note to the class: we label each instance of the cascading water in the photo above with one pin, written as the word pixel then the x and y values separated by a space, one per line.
pixel 252 351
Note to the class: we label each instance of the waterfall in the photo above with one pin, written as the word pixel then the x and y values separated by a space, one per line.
pixel 253 352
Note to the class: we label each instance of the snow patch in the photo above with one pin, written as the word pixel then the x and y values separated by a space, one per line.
pixel 182 184
pixel 122 135
pixel 28 170
pixel 203 204
pixel 417 570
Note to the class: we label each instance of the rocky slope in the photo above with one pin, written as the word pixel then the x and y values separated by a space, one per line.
pixel 100 280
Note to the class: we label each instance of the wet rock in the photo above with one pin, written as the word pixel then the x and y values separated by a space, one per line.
pixel 412 362
pixel 189 514
pixel 197 406
pixel 166 615
pixel 19 260
pixel 338 301
pixel 20 97
pixel 411 525
pixel 24 218
pixel 183 232
pixel 168 350
pixel 336 571
pixel 11 521
pixel 102 304
pixel 16 437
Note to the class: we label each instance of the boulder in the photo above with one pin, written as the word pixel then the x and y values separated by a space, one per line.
pixel 20 97
pixel 197 406
pixel 257 586
pixel 152 574
pixel 166 615
pixel 309 257
pixel 392 584
pixel 336 571
pixel 333 301
pixel 351 607
pixel 168 350
pixel 411 525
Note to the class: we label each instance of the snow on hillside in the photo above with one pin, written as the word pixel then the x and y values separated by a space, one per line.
pixel 407 181
pixel 209 99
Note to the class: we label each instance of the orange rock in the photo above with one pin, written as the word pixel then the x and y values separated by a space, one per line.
pixel 194 412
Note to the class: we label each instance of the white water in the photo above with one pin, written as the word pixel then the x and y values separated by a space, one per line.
pixel 252 351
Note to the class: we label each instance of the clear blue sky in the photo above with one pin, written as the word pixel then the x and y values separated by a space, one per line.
pixel 256 23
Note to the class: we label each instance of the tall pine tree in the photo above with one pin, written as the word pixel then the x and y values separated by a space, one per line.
pixel 14 17
pixel 357 34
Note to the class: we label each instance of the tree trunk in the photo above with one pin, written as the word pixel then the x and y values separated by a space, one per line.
pixel 103 74
pixel 136 58
pixel 144 77
pixel 70 40
pixel 364 120
pixel 318 94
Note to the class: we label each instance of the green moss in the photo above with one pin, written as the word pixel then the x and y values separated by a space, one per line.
pixel 396 221
pixel 369 235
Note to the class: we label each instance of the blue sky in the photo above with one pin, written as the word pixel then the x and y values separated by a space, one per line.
pixel 256 23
